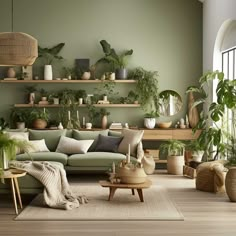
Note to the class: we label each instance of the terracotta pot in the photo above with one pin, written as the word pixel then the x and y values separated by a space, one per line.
pixel 104 122
pixel 39 124
pixel 230 184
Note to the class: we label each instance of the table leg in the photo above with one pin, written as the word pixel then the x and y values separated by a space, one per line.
pixel 112 192
pixel 140 193
pixel 14 195
pixel 18 192
pixel 132 191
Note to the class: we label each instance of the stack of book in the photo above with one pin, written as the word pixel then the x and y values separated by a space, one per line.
pixel 116 126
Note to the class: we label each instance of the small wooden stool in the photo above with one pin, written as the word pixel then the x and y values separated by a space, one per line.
pixel 113 187
pixel 13 174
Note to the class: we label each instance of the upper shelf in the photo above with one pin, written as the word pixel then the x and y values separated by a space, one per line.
pixel 84 105
pixel 65 81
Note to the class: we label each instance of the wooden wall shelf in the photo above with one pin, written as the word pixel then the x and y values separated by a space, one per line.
pixel 64 81
pixel 96 105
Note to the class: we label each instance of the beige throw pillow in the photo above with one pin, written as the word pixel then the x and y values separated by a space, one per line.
pixel 37 146
pixel 132 137
pixel 71 146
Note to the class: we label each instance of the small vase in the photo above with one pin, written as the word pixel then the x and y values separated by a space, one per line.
pixel 112 76
pixel 105 98
pixel 11 73
pixel 104 122
pixel 60 126
pixel 31 98
pixel 56 101
pixel 48 72
pixel 20 125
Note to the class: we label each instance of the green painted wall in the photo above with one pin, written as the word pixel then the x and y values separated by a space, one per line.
pixel 166 35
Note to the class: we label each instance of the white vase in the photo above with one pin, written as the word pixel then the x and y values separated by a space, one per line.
pixel 150 123
pixel 86 75
pixel 31 98
pixel 20 125
pixel 48 72
pixel 56 101
pixel 112 76
pixel 60 126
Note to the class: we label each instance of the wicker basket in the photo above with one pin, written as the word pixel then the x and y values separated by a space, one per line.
pixel 230 184
pixel 175 165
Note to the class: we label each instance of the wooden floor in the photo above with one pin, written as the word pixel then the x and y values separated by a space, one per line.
pixel 205 214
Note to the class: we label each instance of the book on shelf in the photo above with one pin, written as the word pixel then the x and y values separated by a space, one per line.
pixel 10 79
pixel 116 125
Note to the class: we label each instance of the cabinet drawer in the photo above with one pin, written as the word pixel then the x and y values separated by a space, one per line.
pixel 157 134
pixel 185 134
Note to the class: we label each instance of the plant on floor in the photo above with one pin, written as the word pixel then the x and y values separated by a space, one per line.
pixel 173 148
pixel 214 132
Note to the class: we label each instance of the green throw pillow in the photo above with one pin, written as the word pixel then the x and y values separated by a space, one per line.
pixel 51 137
pixel 88 135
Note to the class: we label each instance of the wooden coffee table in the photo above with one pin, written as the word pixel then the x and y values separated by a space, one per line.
pixel 114 186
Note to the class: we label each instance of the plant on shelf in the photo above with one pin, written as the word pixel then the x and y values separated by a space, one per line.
pixel 106 88
pixel 20 117
pixel 215 135
pixel 50 55
pixel 148 89
pixel 118 62
pixel 132 97
pixel 104 114
pixel 69 72
pixel 150 120
pixel 30 90
pixel 54 98
pixel 43 94
pixel 39 118
pixel 67 97
pixel 81 93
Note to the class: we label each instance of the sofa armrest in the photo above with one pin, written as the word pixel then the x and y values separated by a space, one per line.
pixel 140 152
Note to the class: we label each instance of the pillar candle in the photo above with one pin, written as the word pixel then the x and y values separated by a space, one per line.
pixel 113 168
pixel 77 114
pixel 83 121
pixel 44 110
pixel 68 115
pixel 128 155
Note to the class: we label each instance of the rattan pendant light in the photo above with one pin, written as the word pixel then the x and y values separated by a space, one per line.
pixel 17 48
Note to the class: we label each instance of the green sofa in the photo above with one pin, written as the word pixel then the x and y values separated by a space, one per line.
pixel 91 161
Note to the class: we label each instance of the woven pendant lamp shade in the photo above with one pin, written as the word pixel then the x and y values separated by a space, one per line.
pixel 17 49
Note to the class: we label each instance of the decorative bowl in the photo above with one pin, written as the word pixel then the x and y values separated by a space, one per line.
pixel 164 125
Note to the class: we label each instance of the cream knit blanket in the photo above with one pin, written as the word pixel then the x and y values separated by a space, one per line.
pixel 57 192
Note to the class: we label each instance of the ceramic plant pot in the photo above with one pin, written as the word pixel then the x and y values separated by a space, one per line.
pixel 150 123
pixel 39 124
pixel 121 73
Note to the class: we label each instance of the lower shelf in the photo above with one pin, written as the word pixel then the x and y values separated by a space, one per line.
pixel 83 105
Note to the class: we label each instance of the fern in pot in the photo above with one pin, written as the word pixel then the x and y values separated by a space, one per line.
pixel 197 150
pixel 175 156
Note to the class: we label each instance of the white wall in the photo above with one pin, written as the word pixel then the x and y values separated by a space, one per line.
pixel 215 13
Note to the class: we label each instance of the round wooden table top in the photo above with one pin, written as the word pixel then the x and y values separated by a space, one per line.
pixel 12 173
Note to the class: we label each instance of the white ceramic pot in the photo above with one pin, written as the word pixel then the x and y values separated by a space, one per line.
pixel 89 125
pixel 112 76
pixel 56 101
pixel 31 98
pixel 48 72
pixel 197 156
pixel 60 126
pixel 20 125
pixel 86 75
pixel 150 123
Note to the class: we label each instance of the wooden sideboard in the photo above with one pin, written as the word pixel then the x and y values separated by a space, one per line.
pixel 172 133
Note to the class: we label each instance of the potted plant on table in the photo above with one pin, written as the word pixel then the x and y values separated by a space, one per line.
pixel 118 62
pixel 175 156
pixel 50 55
pixel 39 118
pixel 150 120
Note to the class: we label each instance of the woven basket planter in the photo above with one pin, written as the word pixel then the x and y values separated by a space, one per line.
pixel 175 165
pixel 230 184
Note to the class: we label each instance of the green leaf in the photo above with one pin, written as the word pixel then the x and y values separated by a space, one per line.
pixel 56 49
pixel 106 47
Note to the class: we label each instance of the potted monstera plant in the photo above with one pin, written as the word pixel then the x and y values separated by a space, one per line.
pixel 118 61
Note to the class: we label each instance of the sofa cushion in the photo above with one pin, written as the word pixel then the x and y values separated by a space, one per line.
pixel 51 137
pixel 37 146
pixel 88 135
pixel 43 156
pixel 72 146
pixel 107 143
pixel 114 133
pixel 132 137
pixel 96 159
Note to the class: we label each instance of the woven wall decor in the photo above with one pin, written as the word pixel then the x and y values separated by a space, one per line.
pixel 17 49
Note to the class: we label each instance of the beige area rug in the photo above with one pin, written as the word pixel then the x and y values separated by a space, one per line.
pixel 124 206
